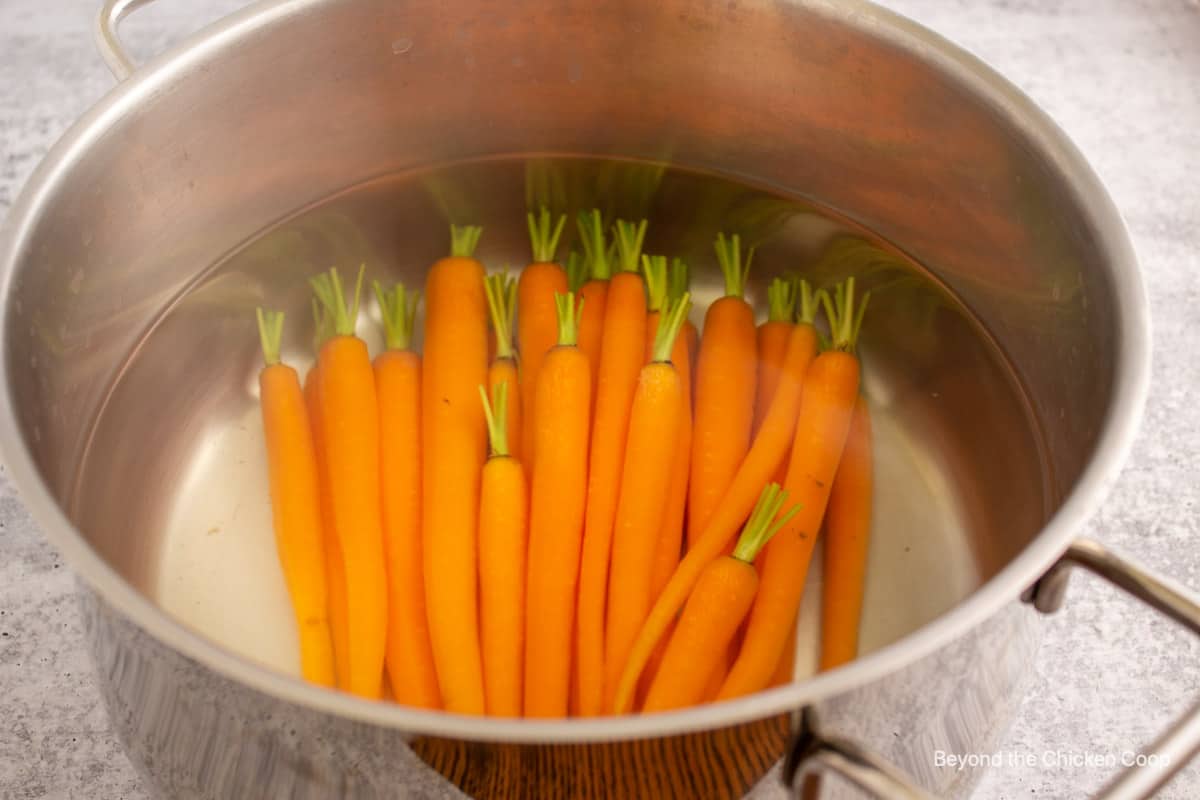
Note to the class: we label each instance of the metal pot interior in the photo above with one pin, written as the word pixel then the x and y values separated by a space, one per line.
pixel 227 175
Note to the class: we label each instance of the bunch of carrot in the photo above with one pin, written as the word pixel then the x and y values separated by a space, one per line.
pixel 536 515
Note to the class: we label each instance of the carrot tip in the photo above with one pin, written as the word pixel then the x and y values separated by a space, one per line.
pixel 544 235
pixel 328 288
pixel 845 317
pixel 464 239
pixel 398 307
pixel 501 292
pixel 736 272
pixel 569 313
pixel 629 239
pixel 596 254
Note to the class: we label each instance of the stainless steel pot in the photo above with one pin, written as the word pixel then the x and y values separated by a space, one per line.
pixel 176 204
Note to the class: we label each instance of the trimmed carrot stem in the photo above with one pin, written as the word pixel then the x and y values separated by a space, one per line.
pixel 536 323
pixel 595 289
pixel 454 440
pixel 501 292
pixel 295 503
pixel 557 496
pixel 772 342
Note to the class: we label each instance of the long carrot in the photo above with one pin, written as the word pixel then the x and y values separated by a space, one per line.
pixel 537 327
pixel 622 355
pixel 295 502
pixel 830 389
pixel 654 423
pixel 725 387
pixel 594 290
pixel 718 603
pixel 350 416
pixel 847 532
pixel 557 496
pixel 501 291
pixel 454 437
pixel 408 656
pixel 757 469
pixel 335 569
pixel 503 517
pixel 679 281
pixel 772 342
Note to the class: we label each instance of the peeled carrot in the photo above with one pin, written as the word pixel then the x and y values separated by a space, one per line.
pixel 537 327
pixel 757 469
pixel 453 436
pixel 501 291
pixel 622 355
pixel 408 657
pixel 350 416
pixel 295 502
pixel 725 385
pixel 772 342
pixel 830 389
pixel 594 291
pixel 557 496
pixel 654 423
pixel 718 603
pixel 847 532
pixel 503 516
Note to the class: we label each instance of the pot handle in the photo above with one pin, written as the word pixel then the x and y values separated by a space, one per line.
pixel 108 42
pixel 811 753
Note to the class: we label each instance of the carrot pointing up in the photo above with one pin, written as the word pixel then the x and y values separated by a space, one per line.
pixel 295 502
pixel 772 342
pixel 350 415
pixel 594 290
pixel 537 326
pixel 454 438
pixel 501 291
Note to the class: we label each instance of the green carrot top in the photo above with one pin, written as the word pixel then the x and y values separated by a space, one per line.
pixel 544 234
pixel 729 255
pixel 569 313
pixel 654 270
pixel 781 299
pixel 765 521
pixel 596 253
pixel 322 324
pixel 270 333
pixel 398 307
pixel 845 316
pixel 577 271
pixel 807 302
pixel 496 414
pixel 679 278
pixel 501 291
pixel 629 237
pixel 328 288
pixel 464 239
pixel 670 322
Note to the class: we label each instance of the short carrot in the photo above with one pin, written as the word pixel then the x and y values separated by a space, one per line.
pixel 830 389
pixel 408 656
pixel 503 516
pixel 594 291
pixel 757 469
pixel 557 496
pixel 295 502
pixel 847 532
pixel 335 570
pixel 537 327
pixel 654 422
pixel 718 603
pixel 453 435
pixel 501 291
pixel 725 385
pixel 772 342
pixel 622 355
pixel 350 416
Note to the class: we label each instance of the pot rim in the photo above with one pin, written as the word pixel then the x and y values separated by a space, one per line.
pixel 1131 383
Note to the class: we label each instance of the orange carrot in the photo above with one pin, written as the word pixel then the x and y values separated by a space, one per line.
pixel 408 656
pixel 537 327
pixel 501 291
pixel 335 574
pixel 847 532
pixel 772 342
pixel 756 470
pixel 557 496
pixel 295 502
pixel 503 500
pixel 718 603
pixel 821 427
pixel 453 436
pixel 654 422
pixel 724 390
pixel 785 671
pixel 622 355
pixel 350 416
pixel 594 292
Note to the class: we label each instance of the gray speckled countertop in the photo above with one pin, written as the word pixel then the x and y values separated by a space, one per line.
pixel 1120 76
